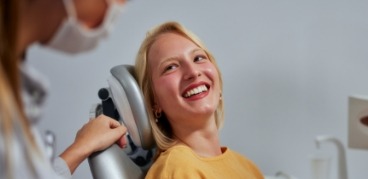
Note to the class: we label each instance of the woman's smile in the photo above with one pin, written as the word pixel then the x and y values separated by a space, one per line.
pixel 196 91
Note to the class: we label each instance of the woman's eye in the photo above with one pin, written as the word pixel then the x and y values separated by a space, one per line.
pixel 170 67
pixel 199 58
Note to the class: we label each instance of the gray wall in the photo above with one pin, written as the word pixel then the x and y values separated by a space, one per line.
pixel 288 68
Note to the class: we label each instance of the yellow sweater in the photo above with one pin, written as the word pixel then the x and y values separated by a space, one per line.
pixel 181 162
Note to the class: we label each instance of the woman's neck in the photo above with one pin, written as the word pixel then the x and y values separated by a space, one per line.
pixel 204 141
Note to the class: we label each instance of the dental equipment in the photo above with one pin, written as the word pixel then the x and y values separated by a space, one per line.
pixel 342 169
pixel 123 101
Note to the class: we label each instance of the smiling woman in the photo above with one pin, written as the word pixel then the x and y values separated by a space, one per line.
pixel 182 85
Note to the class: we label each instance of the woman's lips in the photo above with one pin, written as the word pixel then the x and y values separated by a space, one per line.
pixel 195 90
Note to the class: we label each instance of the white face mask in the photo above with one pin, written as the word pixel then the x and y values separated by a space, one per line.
pixel 72 37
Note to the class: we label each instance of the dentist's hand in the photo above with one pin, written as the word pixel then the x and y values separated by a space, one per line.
pixel 101 133
pixel 96 135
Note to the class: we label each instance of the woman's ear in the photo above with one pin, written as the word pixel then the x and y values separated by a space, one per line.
pixel 157 112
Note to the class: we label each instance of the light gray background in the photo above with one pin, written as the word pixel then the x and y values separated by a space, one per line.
pixel 288 68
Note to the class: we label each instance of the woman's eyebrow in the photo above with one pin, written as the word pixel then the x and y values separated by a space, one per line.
pixel 196 50
pixel 165 60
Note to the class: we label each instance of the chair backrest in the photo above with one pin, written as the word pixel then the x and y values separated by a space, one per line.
pixel 123 100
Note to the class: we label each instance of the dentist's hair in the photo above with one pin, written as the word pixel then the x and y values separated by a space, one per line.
pixel 162 130
pixel 12 116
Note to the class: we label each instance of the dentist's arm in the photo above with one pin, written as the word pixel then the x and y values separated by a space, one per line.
pixel 96 135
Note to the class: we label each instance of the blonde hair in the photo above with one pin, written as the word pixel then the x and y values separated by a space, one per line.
pixel 12 115
pixel 162 131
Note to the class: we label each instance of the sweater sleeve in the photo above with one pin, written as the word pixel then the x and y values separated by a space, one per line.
pixel 61 168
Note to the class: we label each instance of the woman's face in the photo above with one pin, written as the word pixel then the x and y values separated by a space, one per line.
pixel 185 82
pixel 92 12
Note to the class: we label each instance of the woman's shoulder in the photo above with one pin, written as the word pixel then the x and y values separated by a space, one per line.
pixel 240 157
pixel 182 162
pixel 245 162
pixel 176 155
pixel 176 161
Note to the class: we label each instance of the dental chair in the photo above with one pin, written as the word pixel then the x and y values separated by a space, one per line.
pixel 123 101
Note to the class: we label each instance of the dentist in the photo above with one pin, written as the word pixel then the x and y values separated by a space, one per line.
pixel 70 26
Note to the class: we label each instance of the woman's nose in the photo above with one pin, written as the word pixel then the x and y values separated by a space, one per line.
pixel 191 71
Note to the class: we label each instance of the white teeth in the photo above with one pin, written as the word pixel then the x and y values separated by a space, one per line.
pixel 196 90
